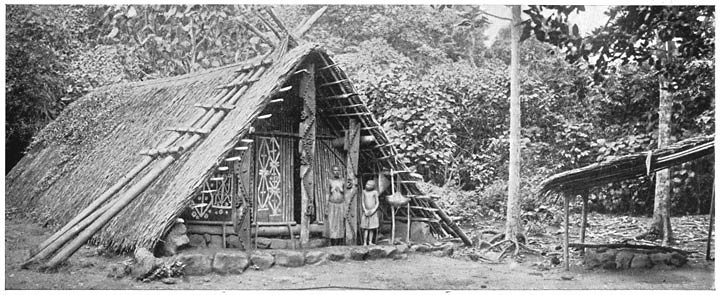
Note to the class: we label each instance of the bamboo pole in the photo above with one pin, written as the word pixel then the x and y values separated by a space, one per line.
pixel 409 219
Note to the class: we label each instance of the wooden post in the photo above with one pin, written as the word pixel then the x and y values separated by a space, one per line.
pixel 566 242
pixel 710 224
pixel 407 239
pixel 583 225
pixel 352 145
pixel 307 151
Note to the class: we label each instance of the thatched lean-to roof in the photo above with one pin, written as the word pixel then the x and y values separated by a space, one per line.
pixel 629 166
pixel 97 140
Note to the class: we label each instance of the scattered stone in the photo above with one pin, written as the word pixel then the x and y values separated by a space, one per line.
pixel 195 263
pixel 289 258
pixel 402 248
pixel 379 252
pixel 660 258
pixel 262 260
pixel 400 256
pixel 317 243
pixel 263 243
pixel 315 257
pixel 119 271
pixel 359 253
pixel 677 259
pixel 233 241
pixel 145 261
pixel 197 241
pixel 175 238
pixel 448 249
pixel 566 277
pixel 438 253
pixel 170 281
pixel 641 261
pixel 623 259
pixel 230 262
pixel 420 248
pixel 337 253
pixel 216 242
pixel 592 259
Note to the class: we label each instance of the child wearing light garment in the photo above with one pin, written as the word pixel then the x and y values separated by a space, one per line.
pixel 369 221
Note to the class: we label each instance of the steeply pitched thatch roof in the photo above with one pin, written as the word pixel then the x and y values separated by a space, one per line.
pixel 629 166
pixel 96 141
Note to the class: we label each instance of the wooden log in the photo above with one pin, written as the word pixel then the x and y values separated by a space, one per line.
pixel 631 246
pixel 307 143
pixel 280 24
pixel 262 231
pixel 445 218
pixel 306 25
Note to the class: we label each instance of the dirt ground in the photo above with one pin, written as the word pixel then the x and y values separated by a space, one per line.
pixel 88 270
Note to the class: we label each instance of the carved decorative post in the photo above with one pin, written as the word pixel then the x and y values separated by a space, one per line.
pixel 352 146
pixel 307 151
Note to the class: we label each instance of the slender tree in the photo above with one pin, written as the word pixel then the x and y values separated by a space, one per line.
pixel 512 224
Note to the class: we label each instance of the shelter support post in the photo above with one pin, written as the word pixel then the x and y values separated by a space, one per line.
pixel 352 146
pixel 583 225
pixel 307 151
pixel 566 238
pixel 710 224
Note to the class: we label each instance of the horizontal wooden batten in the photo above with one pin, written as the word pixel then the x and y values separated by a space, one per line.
pixel 225 107
pixel 240 84
pixel 413 219
pixel 334 83
pixel 329 66
pixel 162 151
pixel 343 107
pixel 277 100
pixel 201 131
pixel 285 89
pixel 216 228
pixel 217 178
pixel 208 191
pixel 232 159
pixel 242 148
pixel 349 115
pixel 223 168
pixel 339 96
pixel 265 116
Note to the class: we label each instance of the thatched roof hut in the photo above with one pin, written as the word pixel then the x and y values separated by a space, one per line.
pixel 99 138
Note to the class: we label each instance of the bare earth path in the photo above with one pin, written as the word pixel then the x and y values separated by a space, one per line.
pixel 89 271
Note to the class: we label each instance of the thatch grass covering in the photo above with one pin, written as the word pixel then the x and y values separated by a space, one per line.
pixel 97 141
pixel 627 167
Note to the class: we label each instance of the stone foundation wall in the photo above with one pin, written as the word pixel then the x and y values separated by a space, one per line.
pixel 624 258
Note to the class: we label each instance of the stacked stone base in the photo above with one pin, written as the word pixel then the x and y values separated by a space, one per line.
pixel 624 258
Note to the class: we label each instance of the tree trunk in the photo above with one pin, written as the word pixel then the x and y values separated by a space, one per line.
pixel 512 225
pixel 661 216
